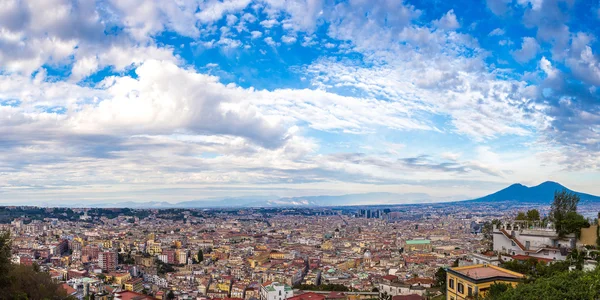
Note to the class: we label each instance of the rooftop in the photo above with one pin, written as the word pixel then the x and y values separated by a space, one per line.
pixel 478 272
pixel 417 242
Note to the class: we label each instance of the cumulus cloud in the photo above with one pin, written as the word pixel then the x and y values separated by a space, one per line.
pixel 529 49
pixel 547 67
pixel 288 39
pixel 448 21
pixel 149 118
pixel 211 11
pixel 370 24
pixel 583 62
pixel 498 7
pixel 256 34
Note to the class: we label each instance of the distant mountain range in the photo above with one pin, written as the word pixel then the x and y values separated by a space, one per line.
pixel 516 193
pixel 539 194
pixel 275 201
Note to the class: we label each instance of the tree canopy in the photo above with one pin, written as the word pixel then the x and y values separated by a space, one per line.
pixel 531 215
pixel 563 214
pixel 562 285
pixel 24 282
pixel 440 278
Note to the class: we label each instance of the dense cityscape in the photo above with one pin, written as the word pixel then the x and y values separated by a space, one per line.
pixel 370 252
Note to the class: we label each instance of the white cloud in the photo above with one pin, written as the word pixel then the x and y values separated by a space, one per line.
pixel 547 67
pixel 231 20
pixel 301 15
pixel 211 11
pixel 269 40
pixel 169 125
pixel 288 39
pixel 496 32
pixel 308 41
pixel 448 21
pixel 256 34
pixel 528 51
pixel 582 61
pixel 269 23
pixel 370 25
pixel 535 4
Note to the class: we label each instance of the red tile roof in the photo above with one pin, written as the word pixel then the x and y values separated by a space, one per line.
pixel 68 289
pixel 128 295
pixel 390 277
pixel 526 257
pixel 308 296
pixel 408 297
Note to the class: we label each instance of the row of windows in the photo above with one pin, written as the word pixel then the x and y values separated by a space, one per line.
pixel 460 287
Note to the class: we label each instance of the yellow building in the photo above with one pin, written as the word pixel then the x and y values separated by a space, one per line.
pixel 276 255
pixel 588 235
pixel 118 278
pixel 107 244
pixel 147 261
pixel 177 244
pixel 418 245
pixel 153 248
pixel 79 240
pixel 224 286
pixel 465 282
pixel 134 285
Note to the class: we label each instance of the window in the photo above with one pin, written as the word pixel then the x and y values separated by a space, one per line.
pixel 279 293
pixel 451 283
pixel 470 291
pixel 461 288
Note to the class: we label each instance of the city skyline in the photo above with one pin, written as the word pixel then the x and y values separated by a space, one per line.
pixel 175 101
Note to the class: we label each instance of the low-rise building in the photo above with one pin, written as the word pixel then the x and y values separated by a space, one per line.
pixel 520 238
pixel 275 291
pixel 470 281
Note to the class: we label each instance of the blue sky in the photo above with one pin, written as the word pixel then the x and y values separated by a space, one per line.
pixel 179 100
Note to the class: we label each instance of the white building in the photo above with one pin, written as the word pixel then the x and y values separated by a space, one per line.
pixel 164 258
pixel 482 259
pixel 520 239
pixel 400 289
pixel 183 257
pixel 275 291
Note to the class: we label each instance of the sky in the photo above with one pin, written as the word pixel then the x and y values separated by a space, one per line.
pixel 138 100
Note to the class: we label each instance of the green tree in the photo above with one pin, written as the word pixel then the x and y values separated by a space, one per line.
pixel 576 258
pixel 24 282
pixel 200 256
pixel 567 285
pixel 487 230
pixel 5 262
pixel 440 279
pixel 521 216
pixel 563 214
pixel 170 295
pixel 533 215
pixel 496 290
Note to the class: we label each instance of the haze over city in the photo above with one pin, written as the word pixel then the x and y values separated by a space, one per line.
pixel 174 101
